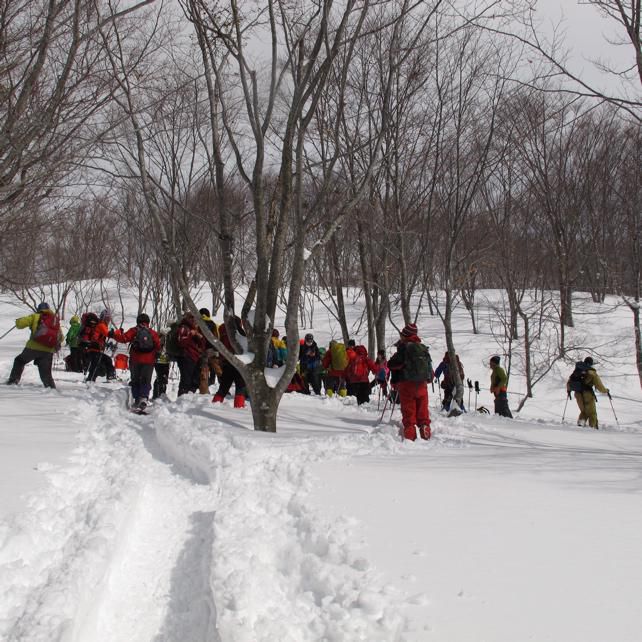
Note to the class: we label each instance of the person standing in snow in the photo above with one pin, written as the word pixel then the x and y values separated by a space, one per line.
pixel 383 373
pixel 412 364
pixel 499 388
pixel 45 339
pixel 161 366
pixel 229 374
pixel 358 373
pixel 447 384
pixel 310 364
pixel 98 360
pixel 144 345
pixel 74 360
pixel 582 382
pixel 192 345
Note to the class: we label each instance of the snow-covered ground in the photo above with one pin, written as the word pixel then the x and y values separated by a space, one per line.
pixel 187 525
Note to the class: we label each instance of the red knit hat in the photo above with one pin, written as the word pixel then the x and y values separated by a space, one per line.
pixel 409 330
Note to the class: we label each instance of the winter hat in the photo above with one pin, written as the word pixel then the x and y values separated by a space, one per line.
pixel 495 359
pixel 410 330
pixel 588 361
pixel 142 318
pixel 275 333
pixel 351 343
pixel 309 337
pixel 42 306
pixel 74 319
pixel 204 312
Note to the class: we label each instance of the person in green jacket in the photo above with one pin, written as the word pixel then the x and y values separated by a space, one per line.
pixel 586 397
pixel 74 361
pixel 44 340
pixel 499 386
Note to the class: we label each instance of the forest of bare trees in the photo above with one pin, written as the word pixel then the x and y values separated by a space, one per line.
pixel 296 149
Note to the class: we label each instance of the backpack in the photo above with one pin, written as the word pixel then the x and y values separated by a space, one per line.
pixel 358 368
pixel 338 356
pixel 172 349
pixel 144 340
pixel 88 323
pixel 577 380
pixel 47 330
pixel 417 363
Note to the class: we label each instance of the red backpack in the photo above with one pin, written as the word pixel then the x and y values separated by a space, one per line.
pixel 88 323
pixel 358 369
pixel 47 330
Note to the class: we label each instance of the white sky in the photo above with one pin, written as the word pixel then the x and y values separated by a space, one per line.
pixel 587 38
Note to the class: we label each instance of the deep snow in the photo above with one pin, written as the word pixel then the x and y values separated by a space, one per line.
pixel 185 525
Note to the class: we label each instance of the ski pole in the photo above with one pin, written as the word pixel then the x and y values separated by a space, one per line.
pixel 612 408
pixel 383 412
pixel 393 403
pixel 568 396
pixel 7 332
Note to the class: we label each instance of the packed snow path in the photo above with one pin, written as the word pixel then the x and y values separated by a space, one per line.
pixel 173 526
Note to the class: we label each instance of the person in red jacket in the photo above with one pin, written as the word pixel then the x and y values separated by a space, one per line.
pixel 192 345
pixel 144 345
pixel 97 358
pixel 412 364
pixel 358 373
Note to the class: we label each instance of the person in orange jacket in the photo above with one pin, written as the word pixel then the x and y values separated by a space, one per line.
pixel 144 345
pixel 96 349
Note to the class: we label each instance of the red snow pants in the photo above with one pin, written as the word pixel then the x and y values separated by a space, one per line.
pixel 413 396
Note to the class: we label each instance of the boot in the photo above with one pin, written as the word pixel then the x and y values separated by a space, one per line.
pixel 425 432
pixel 218 398
pixel 410 433
pixel 239 401
pixel 329 392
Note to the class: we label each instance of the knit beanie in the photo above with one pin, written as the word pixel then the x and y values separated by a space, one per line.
pixel 495 359
pixel 409 330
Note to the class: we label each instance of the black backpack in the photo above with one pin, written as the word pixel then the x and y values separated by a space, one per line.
pixel 417 362
pixel 577 380
pixel 144 340
pixel 172 349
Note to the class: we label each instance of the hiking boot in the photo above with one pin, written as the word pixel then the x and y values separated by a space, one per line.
pixel 218 399
pixel 239 401
pixel 410 433
pixel 425 432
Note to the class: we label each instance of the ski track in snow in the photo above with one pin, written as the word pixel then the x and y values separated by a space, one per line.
pixel 174 526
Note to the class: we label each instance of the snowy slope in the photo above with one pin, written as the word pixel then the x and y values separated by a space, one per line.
pixel 187 525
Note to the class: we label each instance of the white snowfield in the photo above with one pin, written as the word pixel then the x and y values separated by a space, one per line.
pixel 185 525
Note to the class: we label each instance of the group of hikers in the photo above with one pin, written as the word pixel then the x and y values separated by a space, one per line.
pixel 341 369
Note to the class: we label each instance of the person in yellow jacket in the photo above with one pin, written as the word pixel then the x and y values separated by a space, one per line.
pixel 499 388
pixel 584 392
pixel 45 339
